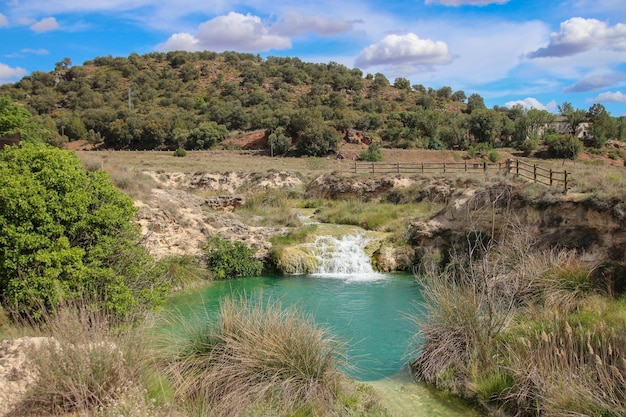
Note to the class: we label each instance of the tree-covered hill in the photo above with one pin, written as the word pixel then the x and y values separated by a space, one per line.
pixel 196 100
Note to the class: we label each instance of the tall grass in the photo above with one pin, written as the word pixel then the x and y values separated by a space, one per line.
pixel 521 331
pixel 271 207
pixel 256 359
pixel 86 366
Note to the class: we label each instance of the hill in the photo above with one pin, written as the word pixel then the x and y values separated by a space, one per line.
pixel 204 100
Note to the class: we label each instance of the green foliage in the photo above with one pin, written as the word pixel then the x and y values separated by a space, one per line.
pixel 180 152
pixel 493 156
pixel 65 233
pixel 228 260
pixel 563 146
pixel 318 140
pixel 279 142
pixel 372 154
pixel 16 119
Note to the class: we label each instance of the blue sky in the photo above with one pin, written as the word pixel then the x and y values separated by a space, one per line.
pixel 539 53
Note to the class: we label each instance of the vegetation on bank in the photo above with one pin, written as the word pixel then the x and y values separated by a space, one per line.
pixel 522 331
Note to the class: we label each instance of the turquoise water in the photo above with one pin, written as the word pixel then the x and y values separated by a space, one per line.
pixel 368 312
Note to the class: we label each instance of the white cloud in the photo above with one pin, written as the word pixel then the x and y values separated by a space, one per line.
pixel 578 35
pixel 7 73
pixel 530 103
pixel 234 31
pixel 39 51
pixel 616 97
pixel 294 23
pixel 594 82
pixel 405 51
pixel 466 2
pixel 3 20
pixel 45 25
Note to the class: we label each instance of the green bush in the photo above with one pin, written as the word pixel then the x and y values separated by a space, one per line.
pixel 66 233
pixel 372 154
pixel 494 156
pixel 180 152
pixel 564 146
pixel 231 259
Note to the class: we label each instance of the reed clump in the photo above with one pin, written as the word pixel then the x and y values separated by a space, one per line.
pixel 522 331
pixel 256 358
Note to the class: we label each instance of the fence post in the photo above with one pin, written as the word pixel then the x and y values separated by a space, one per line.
pixel 565 182
pixel 517 167
pixel 444 167
pixel 398 167
pixel 550 177
pixel 355 170
pixel 422 168
pixel 535 172
pixel 465 166
pixel 485 166
pixel 373 169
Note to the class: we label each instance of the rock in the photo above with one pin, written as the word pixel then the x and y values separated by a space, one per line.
pixel 225 202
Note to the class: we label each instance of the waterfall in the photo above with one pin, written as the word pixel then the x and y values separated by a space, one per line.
pixel 343 257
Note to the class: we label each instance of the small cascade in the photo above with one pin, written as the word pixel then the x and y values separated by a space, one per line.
pixel 343 257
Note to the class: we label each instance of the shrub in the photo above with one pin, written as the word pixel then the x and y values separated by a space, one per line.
pixel 231 259
pixel 494 156
pixel 255 359
pixel 563 146
pixel 372 154
pixel 180 152
pixel 64 233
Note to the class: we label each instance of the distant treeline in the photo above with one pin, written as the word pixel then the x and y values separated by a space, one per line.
pixel 196 100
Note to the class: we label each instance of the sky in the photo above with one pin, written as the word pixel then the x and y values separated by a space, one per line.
pixel 537 53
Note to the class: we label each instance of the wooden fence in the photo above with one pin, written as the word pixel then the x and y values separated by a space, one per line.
pixel 538 174
pixel 424 167
pixel 516 167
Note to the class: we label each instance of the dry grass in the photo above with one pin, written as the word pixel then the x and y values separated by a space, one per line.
pixel 87 367
pixel 257 359
pixel 522 332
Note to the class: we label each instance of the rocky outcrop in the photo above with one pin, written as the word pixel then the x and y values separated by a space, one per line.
pixel 597 231
pixel 225 202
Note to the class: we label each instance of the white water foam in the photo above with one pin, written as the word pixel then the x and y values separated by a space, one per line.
pixel 344 258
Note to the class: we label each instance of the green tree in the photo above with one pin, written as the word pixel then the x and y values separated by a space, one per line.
pixel 602 126
pixel 318 140
pixel 475 102
pixel 207 134
pixel 67 234
pixel 484 125
pixel 573 116
pixel 402 83
pixel 279 142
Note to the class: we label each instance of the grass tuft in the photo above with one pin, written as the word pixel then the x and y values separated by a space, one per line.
pixel 256 356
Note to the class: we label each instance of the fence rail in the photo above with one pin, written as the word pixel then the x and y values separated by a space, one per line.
pixel 516 167
pixel 424 167
pixel 539 174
